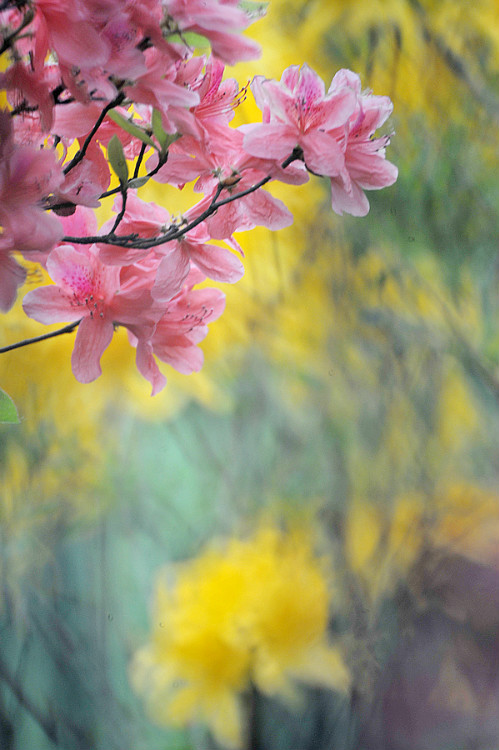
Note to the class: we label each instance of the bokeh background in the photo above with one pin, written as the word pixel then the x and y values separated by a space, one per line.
pixel 298 547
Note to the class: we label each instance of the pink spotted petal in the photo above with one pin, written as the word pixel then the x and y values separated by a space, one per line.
pixel 308 85
pixel 70 268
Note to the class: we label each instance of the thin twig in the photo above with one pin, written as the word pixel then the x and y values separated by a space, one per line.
pixel 139 160
pixel 175 232
pixel 7 42
pixel 120 215
pixel 81 153
pixel 25 342
pixel 68 204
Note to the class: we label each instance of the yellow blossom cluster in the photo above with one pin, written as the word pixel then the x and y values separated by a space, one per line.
pixel 251 613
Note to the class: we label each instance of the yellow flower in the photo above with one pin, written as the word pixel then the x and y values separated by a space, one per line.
pixel 255 612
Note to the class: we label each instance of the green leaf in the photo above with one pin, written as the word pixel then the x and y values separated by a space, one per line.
pixel 130 127
pixel 8 411
pixel 117 159
pixel 193 40
pixel 164 139
pixel 138 182
pixel 158 130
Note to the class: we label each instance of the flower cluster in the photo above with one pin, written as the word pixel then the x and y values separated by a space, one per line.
pixel 254 612
pixel 93 84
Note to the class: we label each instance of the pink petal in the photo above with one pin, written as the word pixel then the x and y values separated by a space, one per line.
pixel 217 263
pixel 371 171
pixel 49 304
pixel 180 354
pixel 272 141
pixel 266 211
pixel 232 48
pixel 148 368
pixel 93 337
pixel 66 264
pixel 354 202
pixel 323 154
pixel 310 84
pixel 12 275
pixel 171 274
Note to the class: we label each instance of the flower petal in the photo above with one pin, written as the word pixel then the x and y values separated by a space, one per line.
pixel 93 337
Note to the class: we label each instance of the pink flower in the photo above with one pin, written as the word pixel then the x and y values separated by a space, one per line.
pixel 157 87
pixel 32 87
pixel 27 175
pixel 67 29
pixel 220 21
pixel 87 180
pixel 297 113
pixel 177 334
pixel 87 290
pixel 365 165
pixel 220 158
pixel 217 98
pixel 213 261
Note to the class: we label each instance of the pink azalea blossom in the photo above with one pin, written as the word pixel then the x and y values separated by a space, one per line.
pixel 220 159
pixel 87 180
pixel 27 175
pixel 33 87
pixel 217 98
pixel 175 338
pixel 220 21
pixel 67 29
pixel 365 165
pixel 149 220
pixel 297 113
pixel 85 289
pixel 157 87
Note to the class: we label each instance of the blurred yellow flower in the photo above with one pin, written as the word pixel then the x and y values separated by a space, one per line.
pixel 254 612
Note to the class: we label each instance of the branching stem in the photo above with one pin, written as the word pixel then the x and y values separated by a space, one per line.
pixel 83 150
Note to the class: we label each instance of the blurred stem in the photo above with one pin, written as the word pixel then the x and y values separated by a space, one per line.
pixel 472 359
pixel 48 726
pixel 251 722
